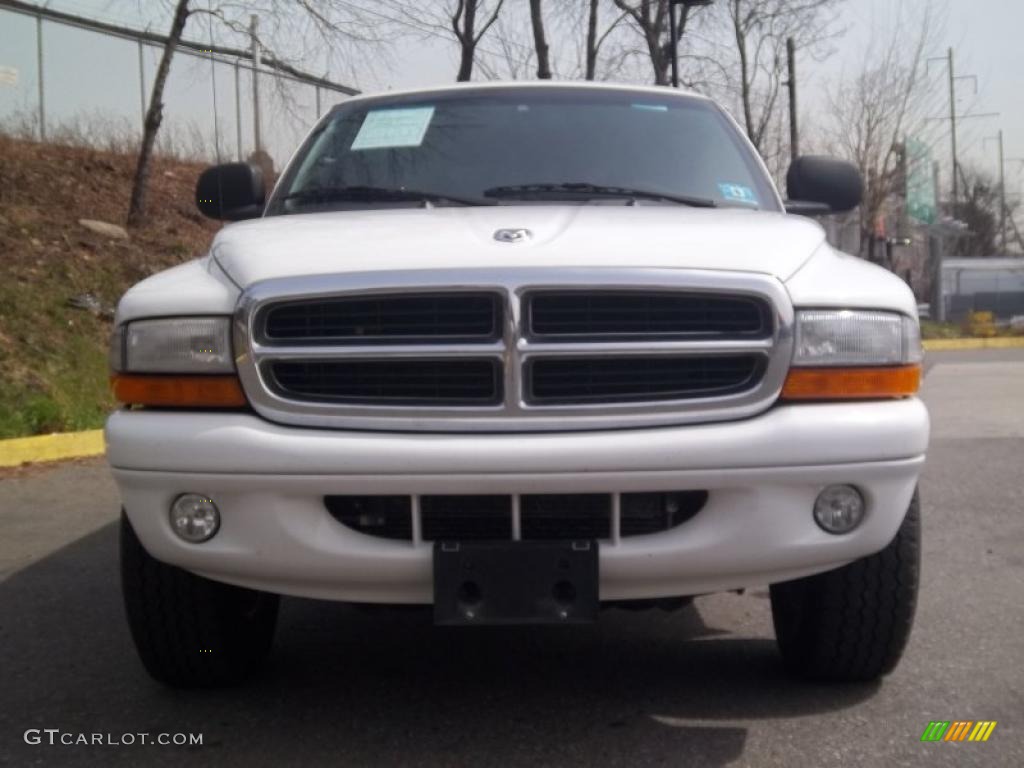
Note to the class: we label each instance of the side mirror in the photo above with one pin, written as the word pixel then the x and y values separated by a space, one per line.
pixel 819 185
pixel 231 192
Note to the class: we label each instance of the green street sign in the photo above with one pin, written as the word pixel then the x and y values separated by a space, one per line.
pixel 920 192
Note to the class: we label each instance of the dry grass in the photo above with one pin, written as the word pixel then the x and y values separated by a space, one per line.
pixel 933 330
pixel 53 372
pixel 185 142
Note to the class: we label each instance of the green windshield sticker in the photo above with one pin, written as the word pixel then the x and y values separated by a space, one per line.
pixel 651 107
pixel 390 128
pixel 737 193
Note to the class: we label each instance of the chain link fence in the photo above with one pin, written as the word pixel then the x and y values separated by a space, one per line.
pixel 71 79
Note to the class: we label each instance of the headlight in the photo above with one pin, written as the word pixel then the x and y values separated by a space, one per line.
pixel 178 345
pixel 855 338
pixel 843 354
pixel 182 362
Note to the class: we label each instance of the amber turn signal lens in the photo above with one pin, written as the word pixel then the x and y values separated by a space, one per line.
pixel 178 391
pixel 851 383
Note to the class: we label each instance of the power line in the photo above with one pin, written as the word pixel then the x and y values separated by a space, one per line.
pixel 953 117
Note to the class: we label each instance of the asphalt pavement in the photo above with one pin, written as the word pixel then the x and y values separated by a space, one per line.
pixel 698 687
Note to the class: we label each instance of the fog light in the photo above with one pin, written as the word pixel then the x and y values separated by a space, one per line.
pixel 839 509
pixel 194 518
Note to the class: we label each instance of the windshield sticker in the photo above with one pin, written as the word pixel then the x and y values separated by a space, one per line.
pixel 391 128
pixel 651 107
pixel 737 193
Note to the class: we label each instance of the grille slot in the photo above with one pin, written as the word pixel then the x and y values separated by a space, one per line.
pixel 638 378
pixel 388 517
pixel 608 315
pixel 466 518
pixel 644 513
pixel 563 516
pixel 438 318
pixel 395 382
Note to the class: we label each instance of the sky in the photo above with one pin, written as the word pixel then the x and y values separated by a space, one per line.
pixel 95 80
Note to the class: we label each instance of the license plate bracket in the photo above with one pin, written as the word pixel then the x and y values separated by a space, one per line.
pixel 515 582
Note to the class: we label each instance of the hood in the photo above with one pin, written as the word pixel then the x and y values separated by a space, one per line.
pixel 561 236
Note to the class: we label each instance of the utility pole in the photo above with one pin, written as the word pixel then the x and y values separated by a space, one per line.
pixel 1002 190
pixel 254 23
pixel 937 300
pixel 39 70
pixel 953 117
pixel 1004 221
pixel 238 112
pixel 952 129
pixel 1008 221
pixel 673 42
pixel 794 129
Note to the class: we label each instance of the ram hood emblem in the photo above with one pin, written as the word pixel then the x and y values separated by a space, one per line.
pixel 512 235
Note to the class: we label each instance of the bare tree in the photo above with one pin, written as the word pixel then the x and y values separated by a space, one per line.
pixel 559 22
pixel 464 26
pixel 593 41
pixel 596 36
pixel 873 111
pixel 540 42
pixel 980 210
pixel 598 21
pixel 508 55
pixel 650 19
pixel 154 116
pixel 758 31
pixel 464 21
pixel 313 29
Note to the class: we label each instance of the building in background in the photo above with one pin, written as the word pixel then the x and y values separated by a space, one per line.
pixel 993 285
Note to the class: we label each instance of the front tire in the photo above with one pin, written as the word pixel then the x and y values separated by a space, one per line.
pixel 852 624
pixel 191 632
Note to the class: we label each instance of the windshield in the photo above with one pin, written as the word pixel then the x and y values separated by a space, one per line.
pixel 509 146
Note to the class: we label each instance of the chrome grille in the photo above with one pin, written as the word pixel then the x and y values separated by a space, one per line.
pixel 486 350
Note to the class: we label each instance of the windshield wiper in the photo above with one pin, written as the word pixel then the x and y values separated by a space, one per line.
pixel 586 190
pixel 361 194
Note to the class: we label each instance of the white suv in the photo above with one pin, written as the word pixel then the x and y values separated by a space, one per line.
pixel 519 352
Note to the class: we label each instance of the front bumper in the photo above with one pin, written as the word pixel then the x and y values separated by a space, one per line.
pixel 763 475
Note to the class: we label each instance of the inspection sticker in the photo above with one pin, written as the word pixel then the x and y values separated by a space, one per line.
pixel 389 128
pixel 738 193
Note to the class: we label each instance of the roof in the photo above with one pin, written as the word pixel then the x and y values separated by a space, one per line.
pixel 661 90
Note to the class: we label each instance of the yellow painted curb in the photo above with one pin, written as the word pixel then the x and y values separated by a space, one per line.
pixel 63 445
pixel 1001 342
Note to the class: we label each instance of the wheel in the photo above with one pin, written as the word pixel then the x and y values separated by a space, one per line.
pixel 852 624
pixel 191 632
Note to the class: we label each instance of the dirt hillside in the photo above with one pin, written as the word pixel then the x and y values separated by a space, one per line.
pixel 53 370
